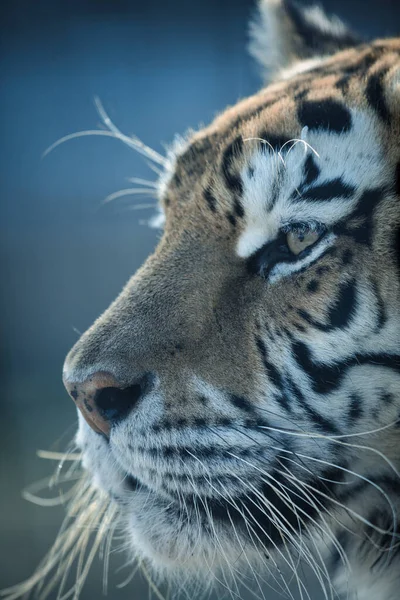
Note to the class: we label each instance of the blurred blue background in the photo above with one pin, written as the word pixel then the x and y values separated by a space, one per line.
pixel 159 67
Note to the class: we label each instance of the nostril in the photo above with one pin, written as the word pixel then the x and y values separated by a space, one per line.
pixel 114 404
pixel 103 402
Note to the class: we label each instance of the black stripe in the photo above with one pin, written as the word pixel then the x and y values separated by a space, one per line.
pixel 348 492
pixel 396 240
pixel 361 65
pixel 355 409
pixel 340 314
pixel 334 188
pixel 375 95
pixel 232 179
pixel 238 208
pixel 316 40
pixel 273 372
pixel 359 224
pixel 274 375
pixel 397 180
pixel 231 219
pixel 202 452
pixel 241 403
pixel 347 257
pixel 323 423
pixel 301 93
pixel 387 398
pixel 390 485
pixel 327 378
pixel 343 83
pixel 328 114
pixel 210 199
pixel 274 140
pixel 311 171
pixel 305 315
pixel 381 316
pixel 177 179
pixel 313 286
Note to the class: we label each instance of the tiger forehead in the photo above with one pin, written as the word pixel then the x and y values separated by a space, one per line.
pixel 317 98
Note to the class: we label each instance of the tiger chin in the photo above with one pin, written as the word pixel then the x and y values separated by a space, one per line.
pixel 239 402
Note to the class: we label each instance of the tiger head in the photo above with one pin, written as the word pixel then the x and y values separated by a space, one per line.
pixel 238 401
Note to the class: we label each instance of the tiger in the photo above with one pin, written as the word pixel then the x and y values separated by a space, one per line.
pixel 239 402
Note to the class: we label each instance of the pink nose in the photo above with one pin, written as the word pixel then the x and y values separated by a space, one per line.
pixel 103 402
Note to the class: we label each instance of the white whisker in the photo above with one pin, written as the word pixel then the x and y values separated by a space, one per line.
pixel 140 181
pixel 336 439
pixel 63 456
pixel 142 206
pixel 133 141
pixel 128 192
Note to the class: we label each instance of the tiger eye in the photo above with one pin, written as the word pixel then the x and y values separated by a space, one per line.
pixel 298 241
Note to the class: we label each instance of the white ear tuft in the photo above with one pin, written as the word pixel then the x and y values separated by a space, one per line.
pixel 267 35
pixel 284 32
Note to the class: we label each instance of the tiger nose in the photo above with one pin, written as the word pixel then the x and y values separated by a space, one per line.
pixel 103 402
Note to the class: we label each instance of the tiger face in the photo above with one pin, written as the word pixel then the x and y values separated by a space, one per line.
pixel 238 401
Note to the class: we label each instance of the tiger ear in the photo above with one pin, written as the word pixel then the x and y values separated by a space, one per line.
pixel 284 32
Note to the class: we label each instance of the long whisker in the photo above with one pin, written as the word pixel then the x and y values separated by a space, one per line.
pixel 216 537
pixel 301 456
pixel 107 552
pixel 296 141
pixel 132 141
pixel 292 538
pixel 272 516
pixel 30 492
pixel 336 440
pixel 61 456
pixel 291 501
pixel 234 504
pixel 142 206
pixel 150 582
pixel 140 181
pixel 331 436
pixel 355 474
pixel 245 554
pixel 343 526
pixel 276 155
pixel 86 510
pixel 359 517
pixel 291 505
pixel 128 192
pixel 114 132
pixel 268 480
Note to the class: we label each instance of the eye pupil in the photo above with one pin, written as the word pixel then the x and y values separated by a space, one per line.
pixel 294 241
pixel 298 240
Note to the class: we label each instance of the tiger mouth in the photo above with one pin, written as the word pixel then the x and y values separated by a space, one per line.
pixel 174 498
pixel 257 517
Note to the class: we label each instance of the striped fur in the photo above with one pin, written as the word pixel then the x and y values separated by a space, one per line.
pixel 272 431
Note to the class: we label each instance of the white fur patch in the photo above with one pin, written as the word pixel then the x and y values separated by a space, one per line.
pixel 267 46
pixel 355 157
pixel 176 149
